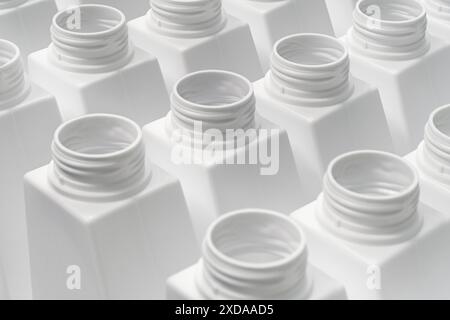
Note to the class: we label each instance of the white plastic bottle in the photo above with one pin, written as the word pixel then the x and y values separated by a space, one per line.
pixel 432 159
pixel 26 23
pixel 390 48
pixel 254 255
pixel 92 67
pixel 271 20
pixel 193 35
pixel 310 93
pixel 438 18
pixel 225 155
pixel 103 221
pixel 28 117
pixel 341 15
pixel 131 8
pixel 369 230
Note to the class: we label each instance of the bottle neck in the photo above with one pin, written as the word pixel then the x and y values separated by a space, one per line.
pixel 99 157
pixel 254 255
pixel 218 100
pixel 389 29
pixel 370 197
pixel 186 19
pixel 14 86
pixel 7 4
pixel 434 153
pixel 438 9
pixel 90 38
pixel 310 70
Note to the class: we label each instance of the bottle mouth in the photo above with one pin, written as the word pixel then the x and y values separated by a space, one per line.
pixel 98 136
pixel 89 20
pixel 389 29
pixel 392 12
pixel 217 99
pixel 310 51
pixel 440 121
pixel 370 197
pixel 310 70
pixel 372 175
pixel 256 239
pixel 9 54
pixel 254 254
pixel 99 156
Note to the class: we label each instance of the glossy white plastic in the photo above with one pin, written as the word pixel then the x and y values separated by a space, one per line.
pixel 100 224
pixel 341 15
pixel 310 93
pixel 92 67
pixel 225 156
pixel 28 117
pixel 369 230
pixel 271 20
pixel 26 23
pixel 411 68
pixel 193 35
pixel 254 254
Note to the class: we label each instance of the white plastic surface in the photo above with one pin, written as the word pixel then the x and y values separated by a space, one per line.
pixel 369 230
pixel 325 110
pixel 195 35
pixel 24 142
pixel 26 23
pixel 213 179
pixel 118 231
pixel 94 68
pixel 254 254
pixel 271 20
pixel 341 15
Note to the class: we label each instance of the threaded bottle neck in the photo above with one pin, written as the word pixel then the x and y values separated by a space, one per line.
pixel 309 70
pixel 434 153
pixel 186 18
pixel 90 38
pixel 6 4
pixel 389 29
pixel 438 9
pixel 254 254
pixel 215 99
pixel 14 86
pixel 370 197
pixel 99 157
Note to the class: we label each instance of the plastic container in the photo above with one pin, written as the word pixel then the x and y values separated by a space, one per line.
pixel 369 230
pixel 254 255
pixel 225 156
pixel 271 20
pixel 93 68
pixel 24 146
pixel 100 209
pixel 132 9
pixel 438 18
pixel 310 93
pixel 193 35
pixel 341 15
pixel 26 23
pixel 432 160
pixel 397 55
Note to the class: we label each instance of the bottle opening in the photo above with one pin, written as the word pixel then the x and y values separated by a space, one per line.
pixel 254 254
pixel 89 19
pixel 9 53
pixel 373 175
pixel 310 50
pixel 441 120
pixel 391 11
pixel 98 135
pixel 214 89
pixel 215 99
pixel 256 239
pixel 99 156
